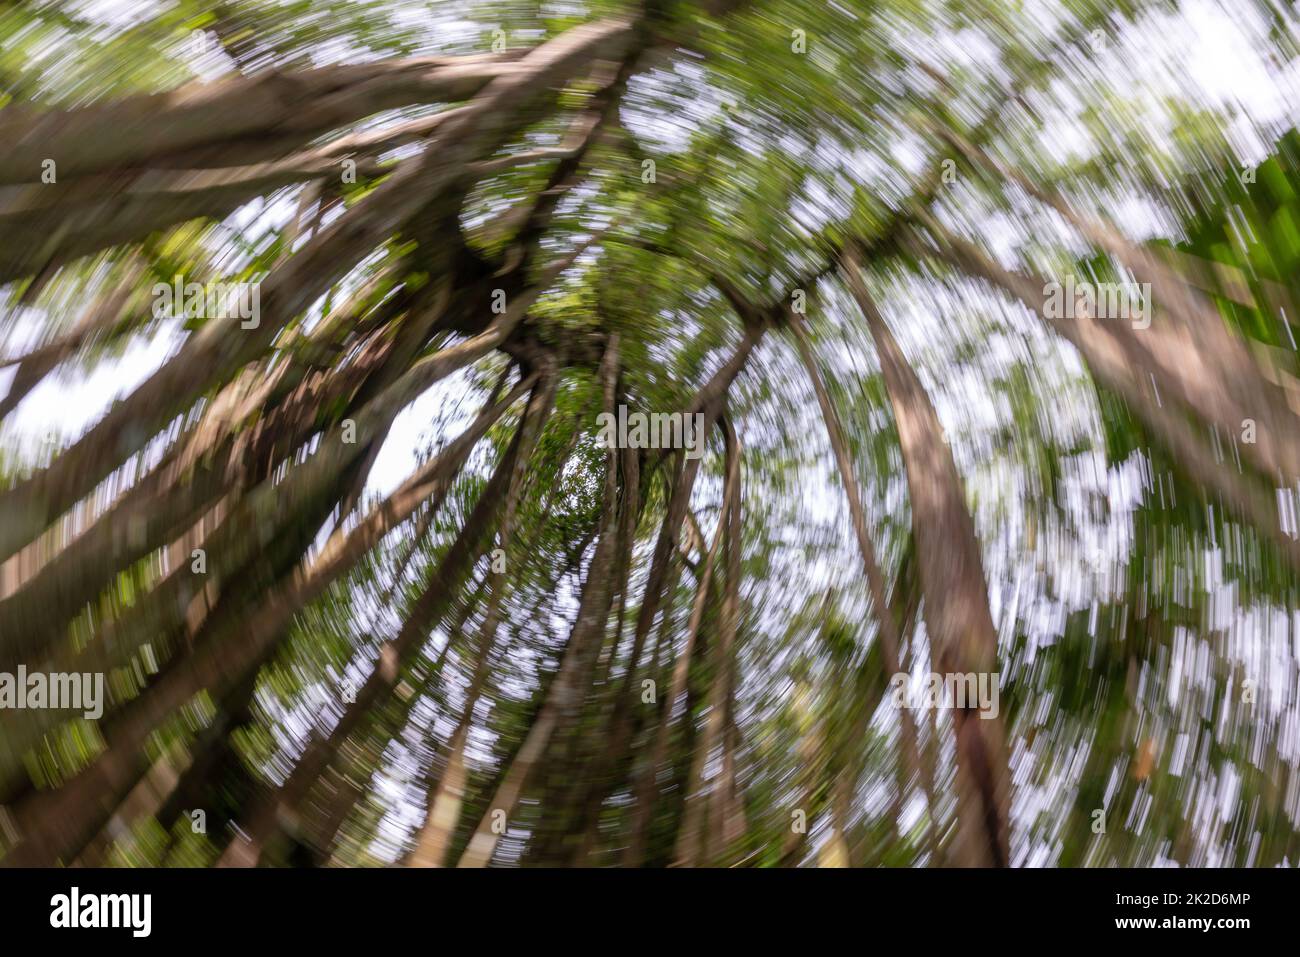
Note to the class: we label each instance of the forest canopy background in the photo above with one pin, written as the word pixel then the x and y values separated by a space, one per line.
pixel 366 587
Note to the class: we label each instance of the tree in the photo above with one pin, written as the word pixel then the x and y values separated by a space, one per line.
pixel 865 442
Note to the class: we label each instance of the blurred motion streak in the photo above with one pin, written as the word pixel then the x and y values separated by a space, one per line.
pixel 952 516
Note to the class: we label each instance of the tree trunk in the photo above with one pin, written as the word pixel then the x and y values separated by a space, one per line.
pixel 1121 369
pixel 213 354
pixel 395 655
pixel 434 839
pixel 691 837
pixel 1189 348
pixel 889 636
pixel 565 696
pixel 647 785
pixel 957 614
pixel 52 823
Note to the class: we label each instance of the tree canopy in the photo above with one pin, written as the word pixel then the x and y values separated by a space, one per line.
pixel 962 530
